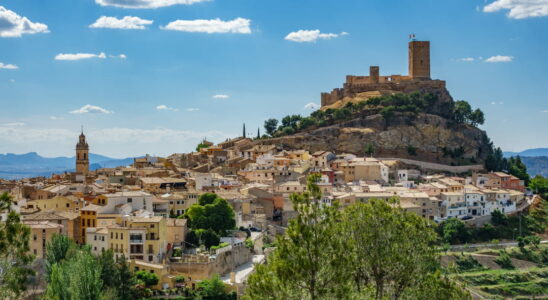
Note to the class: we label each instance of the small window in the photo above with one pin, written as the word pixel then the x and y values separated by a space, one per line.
pixel 129 200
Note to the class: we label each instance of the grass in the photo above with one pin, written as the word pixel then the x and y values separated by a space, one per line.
pixel 507 283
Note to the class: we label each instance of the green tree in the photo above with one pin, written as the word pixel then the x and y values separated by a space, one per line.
pixel 369 149
pixel 213 288
pixel 388 113
pixel 126 279
pixel 462 111
pixel 148 279
pixel 209 238
pixel 14 252
pixel 217 215
pixel 58 249
pixel 477 117
pixel 308 262
pixel 453 231
pixel 270 126
pixel 392 249
pixel 109 269
pixel 517 168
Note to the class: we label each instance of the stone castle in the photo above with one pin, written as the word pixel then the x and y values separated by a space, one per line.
pixel 417 80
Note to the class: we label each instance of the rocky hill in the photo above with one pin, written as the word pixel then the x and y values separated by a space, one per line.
pixel 421 125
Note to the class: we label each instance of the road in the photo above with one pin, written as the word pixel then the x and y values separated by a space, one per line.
pixel 507 244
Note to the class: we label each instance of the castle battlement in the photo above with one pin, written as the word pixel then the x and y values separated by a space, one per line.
pixel 417 80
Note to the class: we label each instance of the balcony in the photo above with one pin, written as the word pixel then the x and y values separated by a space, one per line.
pixel 136 241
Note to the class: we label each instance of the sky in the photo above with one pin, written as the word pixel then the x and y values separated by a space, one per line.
pixel 157 76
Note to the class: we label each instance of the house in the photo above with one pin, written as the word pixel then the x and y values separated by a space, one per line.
pixel 41 233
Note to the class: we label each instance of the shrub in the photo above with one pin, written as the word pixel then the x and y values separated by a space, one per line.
pixel 504 260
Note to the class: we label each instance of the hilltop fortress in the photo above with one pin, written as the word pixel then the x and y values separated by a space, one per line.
pixel 417 80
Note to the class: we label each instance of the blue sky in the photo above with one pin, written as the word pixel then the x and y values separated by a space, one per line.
pixel 143 78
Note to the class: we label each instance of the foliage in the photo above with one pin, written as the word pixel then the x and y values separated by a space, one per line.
pixel 249 243
pixel 58 249
pixel 411 150
pixel 369 149
pixel 14 252
pixel 148 278
pixel 453 231
pixel 202 145
pixel 213 288
pixel 539 185
pixel 212 213
pixel 463 114
pixel 365 251
pixel 221 245
pixel 517 168
pixel 467 263
pixel 495 160
pixel 270 126
pixel 504 260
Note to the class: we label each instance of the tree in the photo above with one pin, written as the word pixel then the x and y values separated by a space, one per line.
pixel 208 237
pixel 453 231
pixel 109 270
pixel 369 149
pixel 57 250
pixel 392 249
pixel 202 145
pixel 126 280
pixel 388 113
pixel 14 252
pixel 270 126
pixel 149 279
pixel 477 117
pixel 462 111
pixel 307 263
pixel 213 288
pixel 517 168
pixel 217 215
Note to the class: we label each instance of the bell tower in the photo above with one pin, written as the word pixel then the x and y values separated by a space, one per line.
pixel 82 155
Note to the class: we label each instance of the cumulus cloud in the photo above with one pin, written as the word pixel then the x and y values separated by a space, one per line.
pixel 499 58
pixel 165 107
pixel 8 66
pixel 221 96
pixel 91 109
pixel 191 109
pixel 312 105
pixel 14 25
pixel 145 3
pixel 79 56
pixel 519 9
pixel 238 25
pixel 308 36
pixel 127 22
pixel 466 59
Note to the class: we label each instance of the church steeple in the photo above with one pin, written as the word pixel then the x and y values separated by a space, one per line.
pixel 82 154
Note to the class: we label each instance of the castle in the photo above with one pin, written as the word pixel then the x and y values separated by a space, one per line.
pixel 417 80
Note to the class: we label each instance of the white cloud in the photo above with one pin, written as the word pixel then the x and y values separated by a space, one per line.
pixel 191 109
pixel 544 111
pixel 344 33
pixel 13 25
pixel 307 36
pixel 12 80
pixel 55 118
pixel 519 9
pixel 145 3
pixel 238 25
pixel 127 22
pixel 79 56
pixel 465 59
pixel 165 107
pixel 499 58
pixel 14 124
pixel 312 105
pixel 221 96
pixel 121 56
pixel 91 109
pixel 8 66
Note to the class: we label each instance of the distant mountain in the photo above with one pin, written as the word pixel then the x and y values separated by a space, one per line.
pixel 536 165
pixel 528 152
pixel 15 166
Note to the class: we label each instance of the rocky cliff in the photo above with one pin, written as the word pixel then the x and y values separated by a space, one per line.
pixel 426 137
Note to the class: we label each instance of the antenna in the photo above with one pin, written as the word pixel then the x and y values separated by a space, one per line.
pixel 412 36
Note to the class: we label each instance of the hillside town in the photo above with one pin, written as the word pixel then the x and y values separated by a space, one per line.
pixel 138 211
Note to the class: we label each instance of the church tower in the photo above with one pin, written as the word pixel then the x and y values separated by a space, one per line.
pixel 82 155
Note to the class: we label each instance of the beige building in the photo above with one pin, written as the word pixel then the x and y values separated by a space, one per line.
pixel 41 232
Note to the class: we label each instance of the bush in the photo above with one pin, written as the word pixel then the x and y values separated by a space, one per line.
pixel 149 279
pixel 504 260
pixel 468 263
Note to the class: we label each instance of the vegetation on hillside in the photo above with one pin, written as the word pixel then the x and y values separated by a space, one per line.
pixel 408 104
pixel 365 251
pixel 209 219
pixel 14 252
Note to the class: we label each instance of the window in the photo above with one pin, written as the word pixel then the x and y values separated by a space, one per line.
pixel 94 237
pixel 129 200
pixel 150 259
pixel 122 236
pixel 111 235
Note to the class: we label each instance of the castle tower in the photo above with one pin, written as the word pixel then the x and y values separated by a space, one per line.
pixel 374 74
pixel 82 155
pixel 419 59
